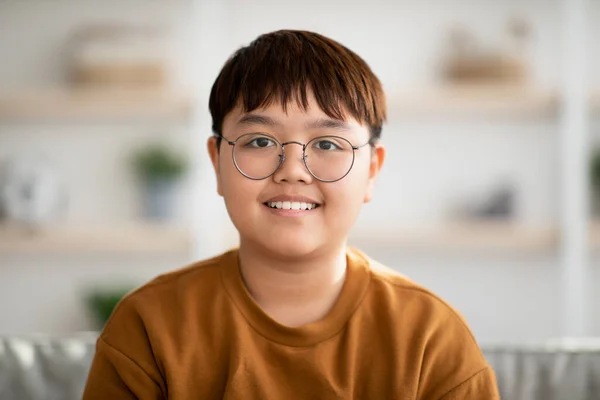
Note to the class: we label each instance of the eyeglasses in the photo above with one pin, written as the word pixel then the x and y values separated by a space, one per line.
pixel 327 158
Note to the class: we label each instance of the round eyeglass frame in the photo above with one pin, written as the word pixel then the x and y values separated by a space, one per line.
pixel 282 155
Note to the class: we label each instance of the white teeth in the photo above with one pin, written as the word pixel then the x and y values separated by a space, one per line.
pixel 288 205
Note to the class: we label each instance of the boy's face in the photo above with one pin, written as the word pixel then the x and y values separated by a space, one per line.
pixel 289 232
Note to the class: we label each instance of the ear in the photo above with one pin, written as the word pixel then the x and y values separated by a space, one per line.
pixel 377 158
pixel 213 152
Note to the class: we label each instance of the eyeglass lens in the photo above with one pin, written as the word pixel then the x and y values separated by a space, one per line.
pixel 258 156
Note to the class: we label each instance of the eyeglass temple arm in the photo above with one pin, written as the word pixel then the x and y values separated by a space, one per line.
pixel 373 139
pixel 224 138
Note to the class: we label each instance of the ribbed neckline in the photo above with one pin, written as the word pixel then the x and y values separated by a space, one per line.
pixel 354 288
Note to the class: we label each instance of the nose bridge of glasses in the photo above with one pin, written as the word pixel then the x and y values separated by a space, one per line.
pixel 293 142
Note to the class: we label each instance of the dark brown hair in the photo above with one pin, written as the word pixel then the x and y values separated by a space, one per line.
pixel 280 66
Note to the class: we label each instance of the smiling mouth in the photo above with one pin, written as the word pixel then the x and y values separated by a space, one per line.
pixel 291 205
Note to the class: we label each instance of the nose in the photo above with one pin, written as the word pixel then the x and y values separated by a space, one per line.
pixel 292 168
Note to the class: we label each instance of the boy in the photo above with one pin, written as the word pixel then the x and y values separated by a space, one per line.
pixel 293 313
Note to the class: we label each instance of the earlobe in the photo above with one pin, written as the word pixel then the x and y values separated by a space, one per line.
pixel 377 159
pixel 213 152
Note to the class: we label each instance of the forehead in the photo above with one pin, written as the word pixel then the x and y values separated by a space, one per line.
pixel 292 116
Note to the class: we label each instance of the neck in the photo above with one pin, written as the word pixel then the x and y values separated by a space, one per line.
pixel 294 292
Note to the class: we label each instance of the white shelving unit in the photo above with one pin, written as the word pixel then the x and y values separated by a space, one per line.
pixel 473 101
pixel 574 139
pixel 54 105
pixel 595 102
pixel 573 103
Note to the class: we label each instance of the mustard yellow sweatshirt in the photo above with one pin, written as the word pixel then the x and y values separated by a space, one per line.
pixel 196 333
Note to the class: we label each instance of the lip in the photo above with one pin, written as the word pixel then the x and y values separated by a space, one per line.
pixel 292 198
pixel 290 213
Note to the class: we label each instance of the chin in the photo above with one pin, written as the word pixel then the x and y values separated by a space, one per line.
pixel 291 247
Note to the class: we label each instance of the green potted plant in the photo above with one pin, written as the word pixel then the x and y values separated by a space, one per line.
pixel 102 302
pixel 159 168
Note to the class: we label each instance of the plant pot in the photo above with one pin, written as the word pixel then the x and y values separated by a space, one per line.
pixel 159 199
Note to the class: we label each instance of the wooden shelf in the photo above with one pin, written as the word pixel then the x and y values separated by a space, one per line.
pixel 90 103
pixel 131 238
pixel 463 236
pixel 471 236
pixel 156 238
pixel 478 100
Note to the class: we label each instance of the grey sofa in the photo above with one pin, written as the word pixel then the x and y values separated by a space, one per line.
pixel 567 369
pixel 55 368
pixel 38 367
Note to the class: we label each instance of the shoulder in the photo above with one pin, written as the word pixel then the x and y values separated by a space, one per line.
pixel 162 301
pixel 192 274
pixel 441 342
pixel 407 296
pixel 158 317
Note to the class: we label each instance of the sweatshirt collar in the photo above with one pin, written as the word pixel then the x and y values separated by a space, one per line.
pixel 353 291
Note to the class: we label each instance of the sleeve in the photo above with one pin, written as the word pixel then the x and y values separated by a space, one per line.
pixel 125 365
pixel 452 364
pixel 481 386
pixel 113 375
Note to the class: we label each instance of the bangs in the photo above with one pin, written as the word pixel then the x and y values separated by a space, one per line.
pixel 281 67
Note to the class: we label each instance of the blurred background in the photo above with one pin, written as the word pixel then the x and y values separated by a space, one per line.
pixel 489 194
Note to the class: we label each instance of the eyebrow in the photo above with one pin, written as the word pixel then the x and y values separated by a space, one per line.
pixel 328 123
pixel 257 119
pixel 319 123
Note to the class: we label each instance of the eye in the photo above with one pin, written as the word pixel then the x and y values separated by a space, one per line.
pixel 326 145
pixel 260 142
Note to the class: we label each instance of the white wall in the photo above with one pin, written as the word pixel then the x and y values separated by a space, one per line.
pixel 511 297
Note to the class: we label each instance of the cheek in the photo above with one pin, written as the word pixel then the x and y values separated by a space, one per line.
pixel 238 192
pixel 347 194
pixel 231 179
pixel 358 179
